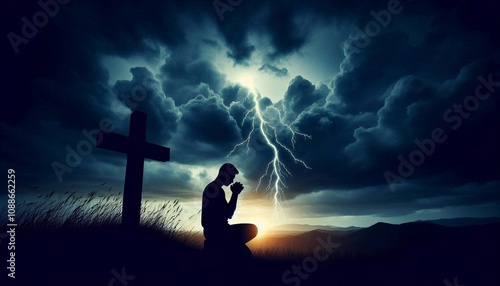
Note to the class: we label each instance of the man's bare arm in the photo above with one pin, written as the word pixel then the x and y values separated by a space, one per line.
pixel 236 188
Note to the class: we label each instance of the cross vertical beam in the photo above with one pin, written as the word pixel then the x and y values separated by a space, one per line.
pixel 134 173
pixel 137 149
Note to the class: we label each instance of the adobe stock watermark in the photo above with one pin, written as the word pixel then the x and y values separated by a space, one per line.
pixel 455 282
pixel 30 28
pixel 310 264
pixel 454 116
pixel 75 155
pixel 122 277
pixel 221 7
pixel 381 19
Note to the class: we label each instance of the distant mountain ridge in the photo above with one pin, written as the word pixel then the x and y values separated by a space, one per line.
pixel 383 237
pixel 465 221
pixel 449 222
pixel 308 227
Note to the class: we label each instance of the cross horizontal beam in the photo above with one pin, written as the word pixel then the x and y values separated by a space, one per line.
pixel 120 143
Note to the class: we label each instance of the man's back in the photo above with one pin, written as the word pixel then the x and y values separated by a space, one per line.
pixel 214 212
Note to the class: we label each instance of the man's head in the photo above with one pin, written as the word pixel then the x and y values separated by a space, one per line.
pixel 226 175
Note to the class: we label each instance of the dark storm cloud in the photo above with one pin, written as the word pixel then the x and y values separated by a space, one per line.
pixel 233 93
pixel 437 45
pixel 128 28
pixel 279 72
pixel 58 85
pixel 393 92
pixel 206 131
pixel 287 25
pixel 415 108
pixel 363 147
pixel 301 94
pixel 143 93
pixel 419 196
pixel 186 78
pixel 239 110
pixel 323 152
pixel 405 73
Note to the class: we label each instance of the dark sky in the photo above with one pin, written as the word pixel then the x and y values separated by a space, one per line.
pixel 400 99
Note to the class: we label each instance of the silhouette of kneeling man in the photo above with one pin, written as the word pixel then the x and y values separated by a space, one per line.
pixel 221 237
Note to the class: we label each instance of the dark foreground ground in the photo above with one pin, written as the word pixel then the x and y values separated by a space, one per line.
pixel 408 254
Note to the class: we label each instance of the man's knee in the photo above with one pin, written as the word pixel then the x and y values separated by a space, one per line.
pixel 253 230
pixel 250 232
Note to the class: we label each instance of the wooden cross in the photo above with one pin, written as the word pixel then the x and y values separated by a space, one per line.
pixel 137 149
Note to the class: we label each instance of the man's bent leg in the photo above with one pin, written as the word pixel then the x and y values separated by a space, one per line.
pixel 216 238
pixel 243 232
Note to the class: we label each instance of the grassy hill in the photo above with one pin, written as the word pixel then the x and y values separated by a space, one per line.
pixel 77 240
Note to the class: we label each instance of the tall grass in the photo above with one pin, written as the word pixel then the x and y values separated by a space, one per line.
pixel 77 210
pixel 278 253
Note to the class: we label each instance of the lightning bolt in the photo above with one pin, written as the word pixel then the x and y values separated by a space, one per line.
pixel 276 171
